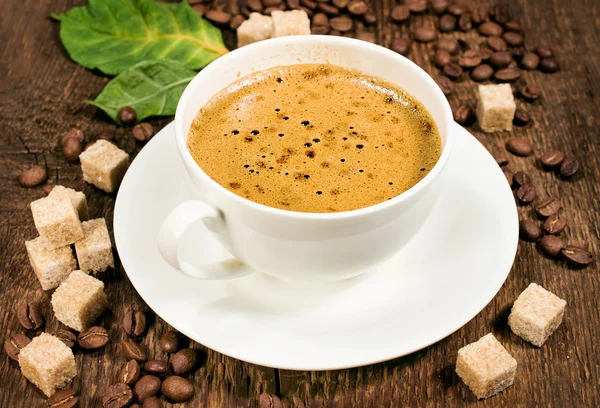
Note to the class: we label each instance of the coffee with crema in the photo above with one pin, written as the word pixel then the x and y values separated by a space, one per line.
pixel 314 138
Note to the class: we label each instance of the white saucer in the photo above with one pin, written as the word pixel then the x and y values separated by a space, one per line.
pixel 440 281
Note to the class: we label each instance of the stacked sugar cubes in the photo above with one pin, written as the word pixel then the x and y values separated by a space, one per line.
pixel 279 24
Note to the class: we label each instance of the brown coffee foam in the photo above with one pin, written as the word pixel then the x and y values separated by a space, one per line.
pixel 314 138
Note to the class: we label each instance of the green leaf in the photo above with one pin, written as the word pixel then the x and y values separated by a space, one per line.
pixel 114 35
pixel 152 88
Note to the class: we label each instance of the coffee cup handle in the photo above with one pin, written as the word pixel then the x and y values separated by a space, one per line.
pixel 179 220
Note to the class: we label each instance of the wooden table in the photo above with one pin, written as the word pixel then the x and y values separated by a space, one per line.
pixel 43 94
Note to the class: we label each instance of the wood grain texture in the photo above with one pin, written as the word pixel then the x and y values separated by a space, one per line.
pixel 43 93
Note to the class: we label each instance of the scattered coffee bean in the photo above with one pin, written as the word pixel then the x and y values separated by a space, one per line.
pixel 156 367
pixel 526 193
pixel 177 389
pixel 569 167
pixel 184 361
pixel 548 65
pixel 555 224
pixel 366 36
pixel 530 92
pixel 147 386
pixel 342 24
pixel 30 316
pixel 400 14
pixel 152 402
pixel 501 59
pixel 457 9
pixel 501 159
pixel 236 21
pixel 519 147
pixel 521 117
pixel 134 323
pixel 33 176
pixel 486 53
pixel 469 59
pixel 544 51
pixel 172 342
pixel 508 174
pixel 269 401
pixel 130 373
pixel 335 33
pixel 548 207
pixel 200 9
pixel 521 178
pixel 142 132
pixel 14 344
pixel 465 23
pixel 496 43
pixel 441 58
pixel 447 23
pixel 577 256
pixel 529 231
pixel 445 85
pixel 513 39
pixel 66 336
pixel 453 71
pixel 417 6
pixel 401 46
pixel 462 114
pixel 370 18
pixel 447 44
pixel 93 338
pixel 66 398
pixel 552 159
pixel 479 14
pixel 499 14
pixel 117 396
pixel 72 133
pixel 513 26
pixel 133 351
pixel 530 61
pixel 72 149
pixel 517 53
pixel 255 5
pixel 309 4
pixel 424 34
pixel 357 7
pixel 439 6
pixel 319 29
pixel 482 72
pixel 127 115
pixel 489 28
pixel 320 19
pixel 328 9
pixel 507 75
pixel 341 4
pixel 551 245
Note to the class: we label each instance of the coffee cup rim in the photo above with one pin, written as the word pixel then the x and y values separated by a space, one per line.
pixel 331 41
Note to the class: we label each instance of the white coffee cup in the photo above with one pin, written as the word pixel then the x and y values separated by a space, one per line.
pixel 297 245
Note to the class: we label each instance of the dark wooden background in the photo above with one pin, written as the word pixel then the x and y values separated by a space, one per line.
pixel 43 93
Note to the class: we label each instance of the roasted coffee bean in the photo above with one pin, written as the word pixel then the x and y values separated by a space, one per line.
pixel 136 405
pixel 134 323
pixel 218 16
pixel 552 159
pixel 152 402
pixel 457 9
pixel 469 59
pixel 569 167
pixel 130 373
pixel 269 401
pixel 66 336
pixel 453 71
pixel 424 34
pixel 320 19
pixel 577 256
pixel 509 175
pixel 499 14
pixel 341 24
pixel 93 338
pixel 501 159
pixel 465 23
pixel 72 133
pixel 479 14
pixel 33 176
pixel 548 65
pixel 147 386
pixel 400 14
pixel 335 33
pixel 507 75
pixel 486 53
pixel 526 193
pixel 370 17
pixel 447 44
pixel 401 46
pixel 172 342
pixel 447 23
pixel 439 6
pixel 341 4
pixel 319 29
pixel 294 4
pixel 551 245
pixel 72 149
pixel 529 231
pixel 127 115
pixel 328 9
pixel 417 6
pixel 555 224
pixel 496 43
pixel 548 207
pixel 117 396
pixel 482 72
pixel 501 59
pixel 366 36
pixel 272 3
pixel 185 361
pixel 14 344
pixel 530 61
pixel 513 26
pixel 255 5
pixel 30 316
pixel 445 84
pixel 133 351
pixel 544 51
pixel 142 132
pixel 200 9
pixel 513 39
pixel 177 389
pixel 530 92
pixel 106 136
pixel 156 367
pixel 462 114
pixel 441 58
pixel 519 147
pixel 236 21
pixel 358 7
pixel 309 4
pixel 521 178
pixel 269 10
pixel 489 28
pixel 63 399
pixel 517 53
pixel 521 117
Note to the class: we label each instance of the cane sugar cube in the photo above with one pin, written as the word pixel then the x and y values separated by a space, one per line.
pixel 536 314
pixel 486 367
pixel 51 265
pixel 294 22
pixel 79 300
pixel 94 250
pixel 48 363
pixel 56 220
pixel 104 165
pixel 77 199
pixel 256 28
pixel 496 107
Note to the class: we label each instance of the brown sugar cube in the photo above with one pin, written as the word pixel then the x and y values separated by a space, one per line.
pixel 79 300
pixel 495 107
pixel 486 367
pixel 256 28
pixel 51 265
pixel 48 363
pixel 536 314
pixel 77 199
pixel 94 250
pixel 56 220
pixel 294 22
pixel 104 165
